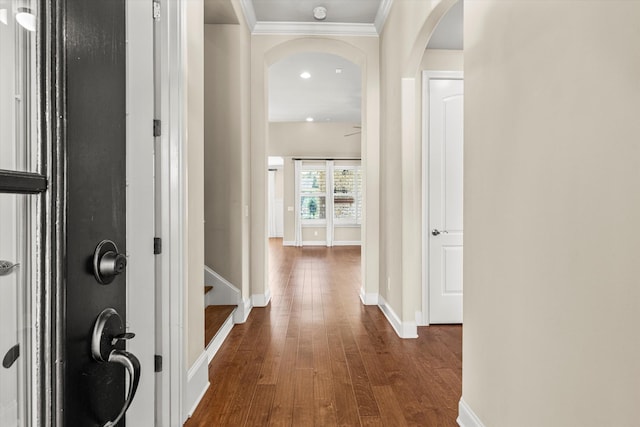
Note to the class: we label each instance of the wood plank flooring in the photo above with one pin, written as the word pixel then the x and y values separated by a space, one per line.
pixel 214 318
pixel 317 357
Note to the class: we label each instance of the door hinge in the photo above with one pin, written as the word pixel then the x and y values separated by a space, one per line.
pixel 157 245
pixel 158 363
pixel 157 128
pixel 156 10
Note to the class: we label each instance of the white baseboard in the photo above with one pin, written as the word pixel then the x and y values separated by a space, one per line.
pixel 403 329
pixel 347 243
pixel 314 243
pixel 466 417
pixel 223 292
pixel 241 314
pixel 323 243
pixel 368 299
pixel 219 338
pixel 197 384
pixel 261 300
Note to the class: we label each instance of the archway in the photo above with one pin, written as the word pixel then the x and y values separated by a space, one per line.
pixel 369 153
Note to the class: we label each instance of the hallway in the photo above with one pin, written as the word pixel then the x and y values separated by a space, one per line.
pixel 317 356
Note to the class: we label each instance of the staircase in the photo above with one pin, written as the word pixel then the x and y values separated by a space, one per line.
pixel 218 322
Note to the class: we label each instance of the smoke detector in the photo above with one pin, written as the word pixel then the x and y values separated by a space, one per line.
pixel 320 13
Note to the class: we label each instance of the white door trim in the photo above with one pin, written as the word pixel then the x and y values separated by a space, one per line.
pixel 170 208
pixel 272 229
pixel 426 76
pixel 140 206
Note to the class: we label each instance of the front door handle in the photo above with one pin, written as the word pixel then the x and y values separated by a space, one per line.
pixel 107 333
pixel 132 365
pixel 437 232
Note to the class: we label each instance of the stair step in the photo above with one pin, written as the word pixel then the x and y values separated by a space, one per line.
pixel 214 318
pixel 207 289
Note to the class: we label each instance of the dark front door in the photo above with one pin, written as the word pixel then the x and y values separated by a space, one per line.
pixel 62 214
pixel 93 277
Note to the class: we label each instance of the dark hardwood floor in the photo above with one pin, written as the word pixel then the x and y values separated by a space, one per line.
pixel 317 357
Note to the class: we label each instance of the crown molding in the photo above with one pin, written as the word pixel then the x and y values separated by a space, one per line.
pixel 314 28
pixel 382 15
pixel 249 13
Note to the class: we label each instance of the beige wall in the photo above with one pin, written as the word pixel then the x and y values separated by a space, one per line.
pixel 194 188
pixel 442 60
pixel 402 47
pixel 364 51
pixel 552 166
pixel 226 132
pixel 313 139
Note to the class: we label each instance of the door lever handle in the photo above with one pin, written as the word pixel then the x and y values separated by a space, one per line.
pixel 132 366
pixel 103 351
pixel 437 232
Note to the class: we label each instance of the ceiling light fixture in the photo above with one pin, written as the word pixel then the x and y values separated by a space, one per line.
pixel 305 75
pixel 26 19
pixel 320 13
pixel 309 119
pixel 338 70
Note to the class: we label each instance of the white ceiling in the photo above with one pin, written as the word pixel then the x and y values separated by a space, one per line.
pixel 448 33
pixel 345 11
pixel 326 96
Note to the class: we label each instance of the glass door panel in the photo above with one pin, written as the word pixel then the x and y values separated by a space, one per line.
pixel 20 214
pixel 18 102
pixel 16 283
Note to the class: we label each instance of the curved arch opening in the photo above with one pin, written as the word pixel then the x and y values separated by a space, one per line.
pixel 337 113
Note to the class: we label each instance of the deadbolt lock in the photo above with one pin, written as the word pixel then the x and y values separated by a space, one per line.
pixel 108 262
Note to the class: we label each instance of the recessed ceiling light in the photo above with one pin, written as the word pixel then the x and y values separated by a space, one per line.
pixel 320 13
pixel 338 70
pixel 309 119
pixel 305 75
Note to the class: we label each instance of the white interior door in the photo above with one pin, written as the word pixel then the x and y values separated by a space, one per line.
pixel 272 214
pixel 445 200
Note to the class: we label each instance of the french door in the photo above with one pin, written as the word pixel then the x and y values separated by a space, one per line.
pixel 63 214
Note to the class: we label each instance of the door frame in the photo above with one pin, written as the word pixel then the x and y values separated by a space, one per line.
pixel 426 77
pixel 140 205
pixel 170 40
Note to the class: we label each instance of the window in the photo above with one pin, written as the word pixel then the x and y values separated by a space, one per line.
pixel 328 195
pixel 313 195
pixel 347 200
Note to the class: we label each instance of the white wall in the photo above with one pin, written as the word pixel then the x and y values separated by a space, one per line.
pixel 552 166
